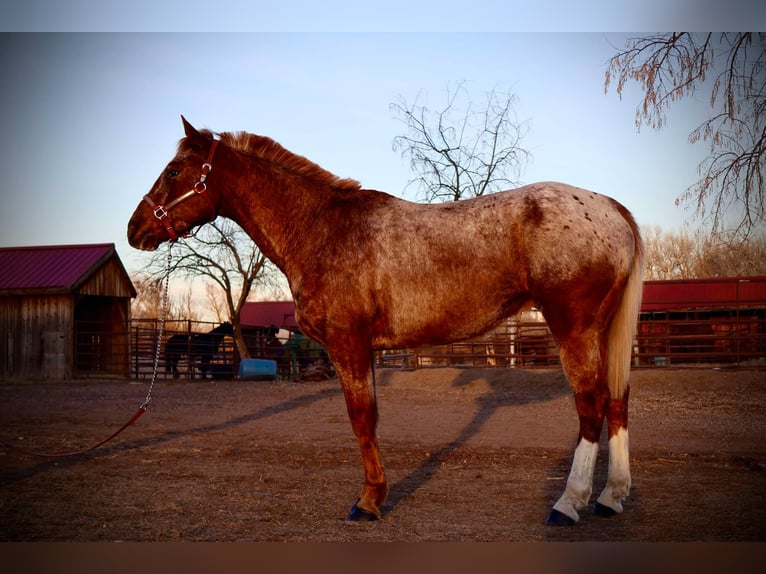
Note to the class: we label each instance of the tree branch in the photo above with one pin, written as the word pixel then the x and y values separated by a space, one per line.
pixel 730 190
pixel 465 157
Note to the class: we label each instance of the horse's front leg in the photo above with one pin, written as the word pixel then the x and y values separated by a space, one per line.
pixel 355 372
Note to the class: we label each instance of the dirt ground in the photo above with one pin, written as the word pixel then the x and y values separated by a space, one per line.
pixel 471 455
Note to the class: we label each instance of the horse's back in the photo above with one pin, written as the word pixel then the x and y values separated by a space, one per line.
pixel 543 231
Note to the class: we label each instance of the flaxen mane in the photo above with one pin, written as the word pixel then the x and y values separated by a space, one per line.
pixel 267 149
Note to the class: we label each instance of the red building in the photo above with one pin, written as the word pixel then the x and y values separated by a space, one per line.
pixel 266 314
pixel 717 320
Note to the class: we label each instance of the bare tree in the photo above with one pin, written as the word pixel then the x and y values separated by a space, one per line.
pixel 669 255
pixel 671 66
pixel 217 302
pixel 148 301
pixel 720 257
pixel 224 256
pixel 685 255
pixel 462 150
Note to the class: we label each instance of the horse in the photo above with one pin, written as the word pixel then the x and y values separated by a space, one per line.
pixel 198 348
pixel 369 271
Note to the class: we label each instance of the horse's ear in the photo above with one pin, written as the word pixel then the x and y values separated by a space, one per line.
pixel 190 130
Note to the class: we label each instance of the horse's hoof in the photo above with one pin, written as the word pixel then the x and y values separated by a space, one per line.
pixel 603 510
pixel 360 514
pixel 556 518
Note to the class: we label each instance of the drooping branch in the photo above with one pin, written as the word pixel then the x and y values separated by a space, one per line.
pixel 729 193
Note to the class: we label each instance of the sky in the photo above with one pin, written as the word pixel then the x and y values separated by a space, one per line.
pixel 90 119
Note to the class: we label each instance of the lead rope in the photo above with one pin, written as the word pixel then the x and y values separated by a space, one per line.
pixel 163 318
pixel 145 405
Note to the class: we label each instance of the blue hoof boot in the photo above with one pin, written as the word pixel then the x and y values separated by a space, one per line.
pixel 556 518
pixel 603 510
pixel 357 514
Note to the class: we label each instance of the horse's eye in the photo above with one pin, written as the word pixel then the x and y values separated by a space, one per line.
pixel 172 173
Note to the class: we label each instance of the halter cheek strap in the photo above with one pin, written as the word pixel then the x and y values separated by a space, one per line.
pixel 161 212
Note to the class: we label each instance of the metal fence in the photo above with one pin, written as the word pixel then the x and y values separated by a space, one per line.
pixel 143 346
pixel 292 352
pixel 694 339
pixel 521 344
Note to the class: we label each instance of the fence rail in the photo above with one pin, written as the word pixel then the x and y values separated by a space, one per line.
pixel 735 339
pixel 726 340
pixel 143 337
pixel 292 352
pixel 719 340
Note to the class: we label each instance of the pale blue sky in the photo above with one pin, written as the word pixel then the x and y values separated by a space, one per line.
pixel 89 120
pixel 391 15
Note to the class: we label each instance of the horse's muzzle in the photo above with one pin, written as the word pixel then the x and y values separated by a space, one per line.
pixel 141 238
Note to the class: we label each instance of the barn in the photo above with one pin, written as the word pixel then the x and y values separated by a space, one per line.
pixel 64 312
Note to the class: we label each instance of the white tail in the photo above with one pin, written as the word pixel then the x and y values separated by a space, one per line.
pixel 623 327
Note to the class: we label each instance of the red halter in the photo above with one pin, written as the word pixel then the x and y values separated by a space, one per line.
pixel 161 212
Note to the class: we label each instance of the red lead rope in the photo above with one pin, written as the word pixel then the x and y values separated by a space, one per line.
pixel 141 410
pixel 144 406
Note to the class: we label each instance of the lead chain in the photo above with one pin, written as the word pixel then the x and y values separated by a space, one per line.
pixel 163 318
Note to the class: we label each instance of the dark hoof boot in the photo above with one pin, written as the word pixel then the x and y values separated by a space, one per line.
pixel 360 514
pixel 556 518
pixel 603 510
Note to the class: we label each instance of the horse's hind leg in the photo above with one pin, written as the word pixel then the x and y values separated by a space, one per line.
pixel 585 369
pixel 617 487
pixel 354 371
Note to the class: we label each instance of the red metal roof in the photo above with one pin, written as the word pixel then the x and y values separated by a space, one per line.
pixel 721 292
pixel 268 314
pixel 57 268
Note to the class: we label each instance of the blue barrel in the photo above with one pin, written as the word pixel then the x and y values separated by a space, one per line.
pixel 257 370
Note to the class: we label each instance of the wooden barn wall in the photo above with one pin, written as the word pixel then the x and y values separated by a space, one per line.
pixel 36 337
pixel 109 280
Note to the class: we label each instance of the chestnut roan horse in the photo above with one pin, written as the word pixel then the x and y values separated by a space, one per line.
pixel 370 271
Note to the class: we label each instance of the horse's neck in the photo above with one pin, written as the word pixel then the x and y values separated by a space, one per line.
pixel 275 209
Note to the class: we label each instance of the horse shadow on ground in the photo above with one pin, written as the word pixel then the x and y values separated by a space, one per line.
pixel 58 463
pixel 533 387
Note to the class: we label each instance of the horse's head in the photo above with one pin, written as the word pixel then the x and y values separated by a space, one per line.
pixel 179 199
pixel 224 329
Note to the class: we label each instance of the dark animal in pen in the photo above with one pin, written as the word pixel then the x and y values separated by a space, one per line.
pixel 198 348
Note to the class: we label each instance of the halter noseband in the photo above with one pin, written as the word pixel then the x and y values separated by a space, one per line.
pixel 161 212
